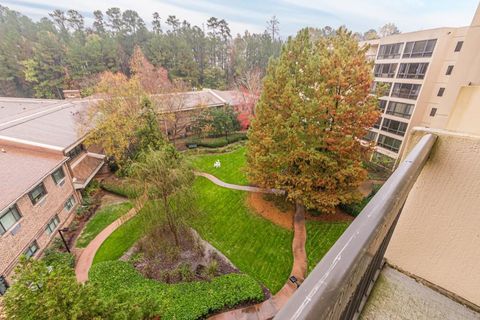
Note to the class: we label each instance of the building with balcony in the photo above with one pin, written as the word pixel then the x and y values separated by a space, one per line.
pixel 420 74
pixel 414 250
pixel 44 163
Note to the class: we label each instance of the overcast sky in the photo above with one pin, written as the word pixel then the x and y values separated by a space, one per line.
pixel 357 15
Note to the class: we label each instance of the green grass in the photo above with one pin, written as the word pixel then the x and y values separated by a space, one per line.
pixel 231 170
pixel 321 236
pixel 189 300
pixel 255 245
pixel 122 239
pixel 104 217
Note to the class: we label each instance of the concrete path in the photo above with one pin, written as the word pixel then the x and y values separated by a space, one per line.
pixel 220 183
pixel 263 310
pixel 269 308
pixel 85 259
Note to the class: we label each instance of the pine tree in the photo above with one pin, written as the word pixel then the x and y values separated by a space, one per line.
pixel 314 108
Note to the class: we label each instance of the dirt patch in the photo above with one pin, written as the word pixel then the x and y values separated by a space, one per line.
pixel 157 257
pixel 338 216
pixel 269 211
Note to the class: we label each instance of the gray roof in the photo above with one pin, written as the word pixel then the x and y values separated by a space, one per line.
pixel 54 124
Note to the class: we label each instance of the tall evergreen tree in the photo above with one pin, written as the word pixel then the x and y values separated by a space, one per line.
pixel 314 108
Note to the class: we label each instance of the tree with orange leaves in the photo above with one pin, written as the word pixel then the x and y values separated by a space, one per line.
pixel 152 79
pixel 314 109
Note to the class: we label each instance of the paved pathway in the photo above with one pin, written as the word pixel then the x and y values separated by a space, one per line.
pixel 263 310
pixel 86 256
pixel 269 308
pixel 220 183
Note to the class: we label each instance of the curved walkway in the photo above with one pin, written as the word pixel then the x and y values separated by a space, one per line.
pixel 264 310
pixel 220 183
pixel 85 259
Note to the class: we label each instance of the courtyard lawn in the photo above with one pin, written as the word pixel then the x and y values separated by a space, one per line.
pixel 122 239
pixel 321 236
pixel 104 217
pixel 231 169
pixel 253 244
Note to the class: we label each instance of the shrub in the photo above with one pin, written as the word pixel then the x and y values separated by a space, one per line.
pixel 55 258
pixel 217 142
pixel 354 209
pixel 191 300
pixel 120 188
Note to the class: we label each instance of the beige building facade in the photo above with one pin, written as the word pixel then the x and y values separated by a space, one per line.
pixel 423 73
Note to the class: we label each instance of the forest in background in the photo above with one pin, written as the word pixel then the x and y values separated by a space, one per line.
pixel 40 59
pixel 60 52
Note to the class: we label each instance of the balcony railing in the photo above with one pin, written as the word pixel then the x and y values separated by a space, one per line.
pixel 339 285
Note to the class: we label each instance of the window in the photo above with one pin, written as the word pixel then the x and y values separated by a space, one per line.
pixel 8 219
pixel 412 70
pixel 69 203
pixel 433 112
pixel 32 249
pixel 378 123
pixel 370 136
pixel 389 143
pixel 406 90
pixel 385 70
pixel 3 285
pixel 459 46
pixel 382 104
pixel 394 126
pixel 440 92
pixel 390 51
pixel 449 70
pixel 37 193
pixel 52 225
pixel 58 175
pixel 75 151
pixel 417 49
pixel 400 109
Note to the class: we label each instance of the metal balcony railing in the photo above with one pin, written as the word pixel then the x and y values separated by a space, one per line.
pixel 339 285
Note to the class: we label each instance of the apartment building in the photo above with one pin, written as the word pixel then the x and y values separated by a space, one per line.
pixel 418 76
pixel 44 164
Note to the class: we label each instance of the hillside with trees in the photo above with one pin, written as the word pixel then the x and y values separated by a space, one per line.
pixel 59 52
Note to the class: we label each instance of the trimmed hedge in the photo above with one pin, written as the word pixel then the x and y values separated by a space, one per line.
pixel 354 209
pixel 189 300
pixel 121 189
pixel 217 142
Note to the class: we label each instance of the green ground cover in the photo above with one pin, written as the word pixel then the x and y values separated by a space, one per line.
pixel 232 165
pixel 321 236
pixel 188 300
pixel 104 217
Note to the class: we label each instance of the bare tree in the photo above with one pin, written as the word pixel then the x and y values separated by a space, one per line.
pixel 388 29
pixel 273 26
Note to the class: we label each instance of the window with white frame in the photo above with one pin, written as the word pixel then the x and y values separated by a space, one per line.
pixel 32 249
pixel 400 109
pixel 389 143
pixel 416 49
pixel 37 193
pixel 58 175
pixel 394 126
pixel 8 218
pixel 390 51
pixel 52 225
pixel 412 70
pixel 70 203
pixel 385 70
pixel 406 90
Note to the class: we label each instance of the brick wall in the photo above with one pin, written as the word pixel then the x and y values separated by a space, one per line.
pixel 34 220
